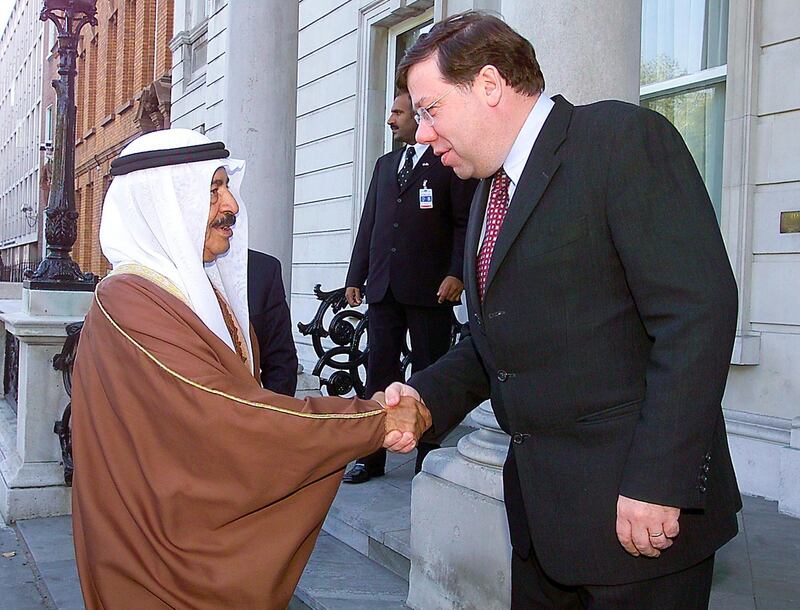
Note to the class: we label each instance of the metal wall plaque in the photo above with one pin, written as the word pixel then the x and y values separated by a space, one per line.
pixel 790 222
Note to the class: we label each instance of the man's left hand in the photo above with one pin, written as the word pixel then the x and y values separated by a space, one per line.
pixel 450 289
pixel 644 528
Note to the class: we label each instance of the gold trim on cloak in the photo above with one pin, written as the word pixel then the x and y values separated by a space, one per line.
pixel 153 276
pixel 244 401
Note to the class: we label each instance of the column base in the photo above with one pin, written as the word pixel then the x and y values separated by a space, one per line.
pixel 789 485
pixel 33 502
pixel 460 548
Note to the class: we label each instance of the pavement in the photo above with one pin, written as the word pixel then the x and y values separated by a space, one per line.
pixel 757 570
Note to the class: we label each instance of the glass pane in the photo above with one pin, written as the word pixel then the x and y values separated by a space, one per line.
pixel 407 39
pixel 699 116
pixel 681 37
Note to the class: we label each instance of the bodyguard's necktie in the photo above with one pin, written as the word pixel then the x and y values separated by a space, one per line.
pixel 495 214
pixel 405 171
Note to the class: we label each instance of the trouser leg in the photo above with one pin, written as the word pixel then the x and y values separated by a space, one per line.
pixel 386 331
pixel 429 329
pixel 689 589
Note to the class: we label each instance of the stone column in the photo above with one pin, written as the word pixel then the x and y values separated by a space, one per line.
pixel 789 501
pixel 455 564
pixel 260 118
pixel 31 473
pixel 460 549
pixel 588 51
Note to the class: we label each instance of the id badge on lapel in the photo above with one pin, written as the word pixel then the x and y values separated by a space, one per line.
pixel 425 197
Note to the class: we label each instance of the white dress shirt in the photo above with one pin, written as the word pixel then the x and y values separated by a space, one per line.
pixel 521 149
pixel 419 151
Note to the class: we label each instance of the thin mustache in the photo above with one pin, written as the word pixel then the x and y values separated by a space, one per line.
pixel 228 219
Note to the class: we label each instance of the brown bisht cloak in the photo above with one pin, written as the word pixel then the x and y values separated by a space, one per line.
pixel 194 487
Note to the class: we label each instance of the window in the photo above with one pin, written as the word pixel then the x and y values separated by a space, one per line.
pixel 51 37
pixel 128 49
pixel 194 41
pixel 683 73
pixel 91 100
pixel 111 66
pixel 197 58
pixel 401 38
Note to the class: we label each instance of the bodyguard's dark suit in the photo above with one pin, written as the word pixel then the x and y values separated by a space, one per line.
pixel 401 246
pixel 604 341
pixel 271 320
pixel 403 253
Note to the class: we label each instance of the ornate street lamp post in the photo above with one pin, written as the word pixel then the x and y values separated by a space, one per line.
pixel 58 271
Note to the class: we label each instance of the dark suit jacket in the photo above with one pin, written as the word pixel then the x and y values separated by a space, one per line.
pixel 269 315
pixel 405 247
pixel 604 341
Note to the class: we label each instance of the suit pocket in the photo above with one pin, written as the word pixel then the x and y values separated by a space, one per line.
pixel 612 413
pixel 557 237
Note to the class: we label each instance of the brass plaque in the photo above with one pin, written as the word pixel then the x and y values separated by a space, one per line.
pixel 790 222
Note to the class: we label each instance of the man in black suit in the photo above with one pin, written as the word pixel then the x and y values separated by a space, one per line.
pixel 602 315
pixel 410 251
pixel 272 323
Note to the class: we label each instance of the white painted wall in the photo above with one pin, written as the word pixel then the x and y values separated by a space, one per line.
pixel 324 178
pixel 761 178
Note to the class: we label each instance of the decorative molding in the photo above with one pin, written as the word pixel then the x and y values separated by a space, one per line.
pixel 741 118
pixel 124 106
pixel 766 428
pixel 746 349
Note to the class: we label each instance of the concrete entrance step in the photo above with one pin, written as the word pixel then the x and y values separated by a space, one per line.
pixel 338 577
pixel 374 518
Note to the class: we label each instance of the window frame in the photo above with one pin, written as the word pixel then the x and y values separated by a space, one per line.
pixel 391 58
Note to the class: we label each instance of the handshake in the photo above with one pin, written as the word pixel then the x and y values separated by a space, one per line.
pixel 407 417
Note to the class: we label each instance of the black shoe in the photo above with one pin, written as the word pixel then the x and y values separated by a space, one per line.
pixel 360 474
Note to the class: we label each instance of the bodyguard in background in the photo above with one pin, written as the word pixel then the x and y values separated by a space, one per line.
pixel 410 251
pixel 272 323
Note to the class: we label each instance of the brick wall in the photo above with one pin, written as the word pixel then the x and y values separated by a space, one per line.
pixel 119 61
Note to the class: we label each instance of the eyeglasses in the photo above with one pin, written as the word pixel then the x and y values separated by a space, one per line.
pixel 423 114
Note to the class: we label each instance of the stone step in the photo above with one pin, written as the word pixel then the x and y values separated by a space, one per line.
pixel 374 518
pixel 338 577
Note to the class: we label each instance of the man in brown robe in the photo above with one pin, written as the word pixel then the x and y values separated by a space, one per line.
pixel 195 487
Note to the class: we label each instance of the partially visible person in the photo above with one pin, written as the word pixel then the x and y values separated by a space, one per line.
pixel 602 317
pixel 272 323
pixel 409 250
pixel 195 487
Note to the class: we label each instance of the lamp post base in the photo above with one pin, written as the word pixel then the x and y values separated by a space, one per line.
pixel 60 274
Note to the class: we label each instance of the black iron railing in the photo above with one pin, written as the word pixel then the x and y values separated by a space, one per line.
pixel 16 272
pixel 11 370
pixel 64 362
pixel 340 337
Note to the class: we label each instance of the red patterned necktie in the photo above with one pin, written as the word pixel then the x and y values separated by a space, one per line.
pixel 495 214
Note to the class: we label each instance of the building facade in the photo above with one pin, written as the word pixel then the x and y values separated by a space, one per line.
pixel 22 52
pixel 122 91
pixel 726 73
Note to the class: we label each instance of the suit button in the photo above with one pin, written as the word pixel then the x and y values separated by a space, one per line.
pixel 502 375
pixel 477 319
pixel 702 488
pixel 394 249
pixel 518 438
pixel 395 225
pixel 706 468
pixel 399 200
pixel 707 457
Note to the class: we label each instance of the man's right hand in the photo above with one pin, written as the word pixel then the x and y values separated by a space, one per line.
pixel 353 296
pixel 406 421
